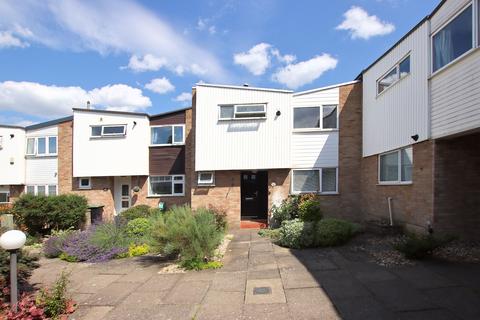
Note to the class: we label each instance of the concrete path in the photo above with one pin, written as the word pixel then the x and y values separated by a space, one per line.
pixel 264 281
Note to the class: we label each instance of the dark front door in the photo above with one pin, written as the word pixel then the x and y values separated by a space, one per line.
pixel 254 195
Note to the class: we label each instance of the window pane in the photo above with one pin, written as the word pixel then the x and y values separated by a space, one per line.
pixel 52 145
pixel 251 108
pixel 161 187
pixel 306 117
pixel 387 80
pixel 453 40
pixel 52 190
pixel 178 188
pixel 226 112
pixel 125 204
pixel 125 190
pixel 96 131
pixel 178 134
pixel 4 197
pixel 162 135
pixel 205 177
pixel 329 117
pixel 42 145
pixel 30 190
pixel 84 182
pixel 305 181
pixel 113 130
pixel 329 180
pixel 407 162
pixel 405 67
pixel 31 146
pixel 41 190
pixel 389 167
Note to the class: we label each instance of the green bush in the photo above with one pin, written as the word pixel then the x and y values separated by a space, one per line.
pixel 220 216
pixel 333 232
pixel 420 246
pixel 138 227
pixel 109 235
pixel 273 234
pixel 55 301
pixel 193 236
pixel 287 210
pixel 296 234
pixel 140 211
pixel 40 214
pixel 201 265
pixel 310 210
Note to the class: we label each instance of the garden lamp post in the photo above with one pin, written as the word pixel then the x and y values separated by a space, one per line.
pixel 12 241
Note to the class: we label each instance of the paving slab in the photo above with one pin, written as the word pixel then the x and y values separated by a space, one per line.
pixel 264 274
pixel 191 292
pixel 434 314
pixel 310 303
pixel 462 301
pixel 276 293
pixel 277 311
pixel 360 308
pixel 160 312
pixel 293 278
pixel 112 294
pixel 96 283
pixel 91 313
pixel 341 284
pixel 139 275
pixel 229 281
pixel 160 282
pixel 421 277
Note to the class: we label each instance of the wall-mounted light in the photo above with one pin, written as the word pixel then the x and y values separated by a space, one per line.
pixel 278 113
pixel 415 137
pixel 12 135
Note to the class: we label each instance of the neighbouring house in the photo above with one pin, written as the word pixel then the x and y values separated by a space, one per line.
pixel 421 120
pixel 255 146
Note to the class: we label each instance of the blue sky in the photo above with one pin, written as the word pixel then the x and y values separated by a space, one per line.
pixel 146 55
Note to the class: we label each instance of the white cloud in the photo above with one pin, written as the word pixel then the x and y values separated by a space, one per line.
pixel 288 58
pixel 183 97
pixel 202 24
pixel 160 85
pixel 8 40
pixel 148 62
pixel 212 29
pixel 304 72
pixel 125 27
pixel 364 26
pixel 47 100
pixel 256 60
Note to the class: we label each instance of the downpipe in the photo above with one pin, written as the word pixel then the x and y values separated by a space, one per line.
pixel 389 199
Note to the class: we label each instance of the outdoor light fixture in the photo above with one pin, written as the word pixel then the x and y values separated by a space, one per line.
pixel 278 113
pixel 415 137
pixel 12 241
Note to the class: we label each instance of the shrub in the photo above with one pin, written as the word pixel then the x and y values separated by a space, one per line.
pixel 53 246
pixel 287 210
pixel 201 265
pixel 220 216
pixel 140 211
pixel 273 234
pixel 420 246
pixel 109 235
pixel 333 232
pixel 40 214
pixel 296 234
pixel 55 302
pixel 138 227
pixel 310 210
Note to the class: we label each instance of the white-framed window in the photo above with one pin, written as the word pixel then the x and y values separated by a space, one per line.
pixel 206 178
pixel 172 185
pixel 111 130
pixel 315 180
pixel 323 117
pixel 454 39
pixel 41 146
pixel 42 190
pixel 85 183
pixel 399 71
pixel 395 166
pixel 167 135
pixel 4 197
pixel 242 111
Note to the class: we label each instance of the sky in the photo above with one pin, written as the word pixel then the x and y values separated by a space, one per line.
pixel 145 56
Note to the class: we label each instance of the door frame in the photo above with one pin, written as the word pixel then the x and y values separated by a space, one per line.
pixel 262 185
pixel 118 196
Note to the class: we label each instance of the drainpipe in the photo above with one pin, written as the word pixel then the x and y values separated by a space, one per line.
pixel 389 199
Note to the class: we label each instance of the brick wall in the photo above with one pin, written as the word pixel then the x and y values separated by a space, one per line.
pixel 412 204
pixel 457 186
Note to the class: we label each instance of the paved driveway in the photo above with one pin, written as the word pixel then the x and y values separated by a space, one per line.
pixel 264 281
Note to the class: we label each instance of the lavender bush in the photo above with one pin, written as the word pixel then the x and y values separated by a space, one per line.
pixel 52 248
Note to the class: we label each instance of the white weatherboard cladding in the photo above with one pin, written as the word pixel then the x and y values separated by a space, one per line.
pixel 110 156
pixel 445 12
pixel 402 110
pixel 41 170
pixel 241 144
pixel 316 148
pixel 13 148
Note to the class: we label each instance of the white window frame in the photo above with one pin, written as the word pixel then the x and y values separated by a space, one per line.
pixel 173 135
pixel 8 196
pixel 35 188
pixel 235 112
pixel 475 32
pixel 292 191
pixel 47 147
pixel 108 135
pixel 172 181
pixel 399 76
pixel 399 164
pixel 82 187
pixel 321 119
pixel 210 182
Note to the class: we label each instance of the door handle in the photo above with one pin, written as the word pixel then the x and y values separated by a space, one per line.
pixel 248 198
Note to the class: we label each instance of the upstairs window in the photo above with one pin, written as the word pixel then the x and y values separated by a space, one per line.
pixel 41 146
pixel 399 71
pixel 396 166
pixel 323 117
pixel 244 111
pixel 206 178
pixel 168 135
pixel 453 40
pixel 119 130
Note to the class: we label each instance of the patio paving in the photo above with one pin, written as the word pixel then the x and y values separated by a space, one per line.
pixel 263 281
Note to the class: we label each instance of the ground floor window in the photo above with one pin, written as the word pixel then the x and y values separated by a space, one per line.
pixel 4 197
pixel 84 183
pixel 173 185
pixel 316 180
pixel 206 178
pixel 42 190
pixel 396 166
